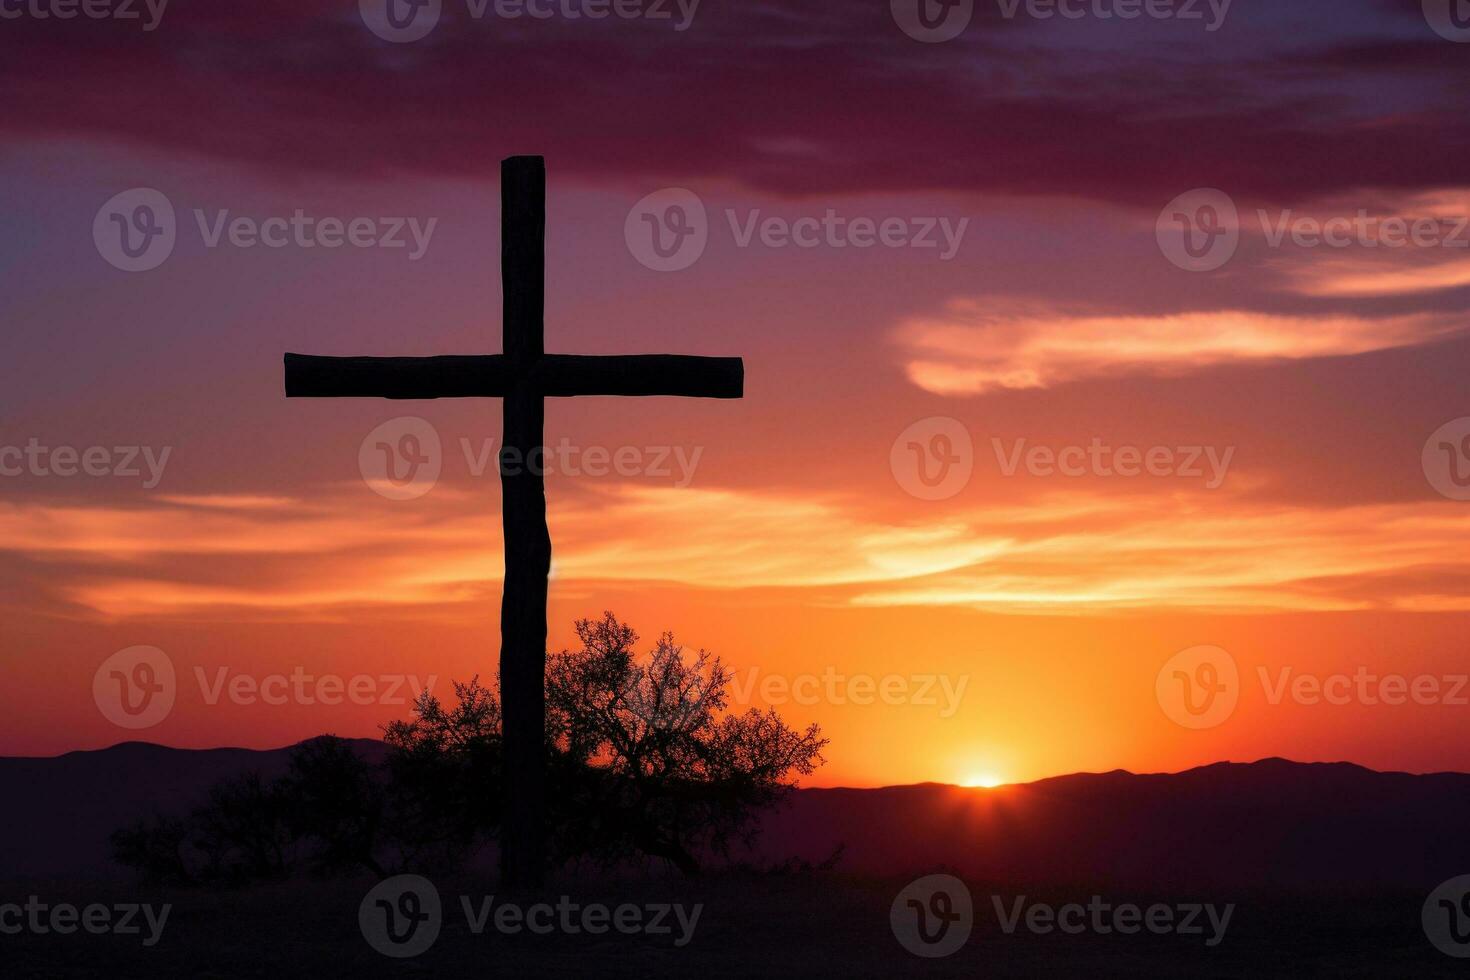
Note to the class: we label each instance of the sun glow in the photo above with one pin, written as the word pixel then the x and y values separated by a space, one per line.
pixel 983 780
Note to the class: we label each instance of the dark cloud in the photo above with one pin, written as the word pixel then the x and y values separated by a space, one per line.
pixel 804 97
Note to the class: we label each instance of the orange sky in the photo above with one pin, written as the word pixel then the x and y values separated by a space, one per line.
pixel 1019 624
pixel 1020 643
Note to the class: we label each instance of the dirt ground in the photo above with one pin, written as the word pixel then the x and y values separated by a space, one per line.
pixel 747 925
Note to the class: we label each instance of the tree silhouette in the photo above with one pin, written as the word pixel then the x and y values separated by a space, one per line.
pixel 647 760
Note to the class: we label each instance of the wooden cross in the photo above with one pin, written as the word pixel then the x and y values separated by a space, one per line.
pixel 523 376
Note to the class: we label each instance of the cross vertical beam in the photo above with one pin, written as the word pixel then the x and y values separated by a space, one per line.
pixel 524 375
pixel 527 539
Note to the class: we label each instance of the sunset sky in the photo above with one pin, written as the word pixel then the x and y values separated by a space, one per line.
pixel 792 545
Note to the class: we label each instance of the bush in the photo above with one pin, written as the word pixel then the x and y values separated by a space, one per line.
pixel 644 758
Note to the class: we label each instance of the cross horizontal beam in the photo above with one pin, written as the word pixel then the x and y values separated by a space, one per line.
pixel 494 375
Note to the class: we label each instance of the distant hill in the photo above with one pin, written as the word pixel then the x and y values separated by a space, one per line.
pixel 1272 823
pixel 59 811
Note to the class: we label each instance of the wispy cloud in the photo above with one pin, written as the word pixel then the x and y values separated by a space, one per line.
pixel 1391 245
pixel 1058 553
pixel 1178 554
pixel 1378 274
pixel 979 345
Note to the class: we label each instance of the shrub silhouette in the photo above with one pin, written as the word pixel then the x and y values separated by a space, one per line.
pixel 325 814
pixel 644 761
pixel 336 805
pixel 444 771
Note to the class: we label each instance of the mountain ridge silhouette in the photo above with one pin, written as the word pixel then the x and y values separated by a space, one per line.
pixel 1268 823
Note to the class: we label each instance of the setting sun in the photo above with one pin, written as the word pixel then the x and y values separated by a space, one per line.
pixel 983 780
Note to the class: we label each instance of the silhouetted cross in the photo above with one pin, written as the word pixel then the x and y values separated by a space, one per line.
pixel 524 376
